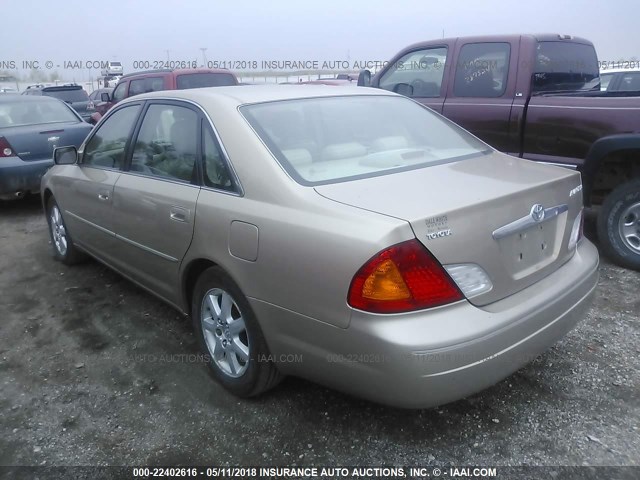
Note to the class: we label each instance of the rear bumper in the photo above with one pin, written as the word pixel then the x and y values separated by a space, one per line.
pixel 433 357
pixel 16 175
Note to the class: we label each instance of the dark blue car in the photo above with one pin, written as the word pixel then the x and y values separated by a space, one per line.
pixel 30 128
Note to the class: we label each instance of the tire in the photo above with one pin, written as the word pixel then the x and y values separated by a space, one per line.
pixel 238 357
pixel 63 248
pixel 619 225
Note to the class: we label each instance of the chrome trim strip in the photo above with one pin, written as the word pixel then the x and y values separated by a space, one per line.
pixel 146 249
pixel 527 222
pixel 102 229
pixel 564 165
pixel 124 239
pixel 587 108
pixel 462 104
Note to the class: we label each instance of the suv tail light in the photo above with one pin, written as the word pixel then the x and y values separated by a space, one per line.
pixel 402 278
pixel 5 149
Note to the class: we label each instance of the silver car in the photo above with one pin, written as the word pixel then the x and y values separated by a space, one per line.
pixel 349 236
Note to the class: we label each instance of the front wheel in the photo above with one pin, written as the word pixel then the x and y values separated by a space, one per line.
pixel 229 335
pixel 63 247
pixel 619 225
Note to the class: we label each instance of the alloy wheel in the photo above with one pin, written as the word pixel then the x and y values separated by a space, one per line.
pixel 225 332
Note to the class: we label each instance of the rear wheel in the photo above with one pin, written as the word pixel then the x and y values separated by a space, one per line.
pixel 619 225
pixel 229 334
pixel 63 247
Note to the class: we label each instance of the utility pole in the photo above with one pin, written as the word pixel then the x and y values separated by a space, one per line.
pixel 204 57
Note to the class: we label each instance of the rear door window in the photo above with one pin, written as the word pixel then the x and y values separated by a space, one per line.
pixel 145 85
pixel 629 82
pixel 481 70
pixel 200 80
pixel 136 87
pixel 565 66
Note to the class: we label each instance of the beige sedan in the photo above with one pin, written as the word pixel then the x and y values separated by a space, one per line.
pixel 349 236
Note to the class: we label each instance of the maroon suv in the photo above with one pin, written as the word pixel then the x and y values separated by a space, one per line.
pixel 154 80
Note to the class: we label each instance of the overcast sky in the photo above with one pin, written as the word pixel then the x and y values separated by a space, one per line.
pixel 363 30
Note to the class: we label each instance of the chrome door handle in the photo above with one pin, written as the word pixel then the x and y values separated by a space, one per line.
pixel 103 196
pixel 179 214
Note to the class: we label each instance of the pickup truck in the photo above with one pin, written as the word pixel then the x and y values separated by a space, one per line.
pixel 536 97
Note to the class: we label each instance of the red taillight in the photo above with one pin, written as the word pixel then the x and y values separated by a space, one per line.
pixel 5 148
pixel 402 278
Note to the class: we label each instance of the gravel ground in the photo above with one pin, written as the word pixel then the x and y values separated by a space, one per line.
pixel 94 371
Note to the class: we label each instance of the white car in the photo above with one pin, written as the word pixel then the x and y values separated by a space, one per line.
pixel 620 80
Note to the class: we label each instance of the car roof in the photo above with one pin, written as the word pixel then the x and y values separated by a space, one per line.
pixel 60 88
pixel 619 70
pixel 540 37
pixel 176 71
pixel 12 98
pixel 246 94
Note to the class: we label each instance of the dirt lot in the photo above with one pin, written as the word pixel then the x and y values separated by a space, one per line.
pixel 94 371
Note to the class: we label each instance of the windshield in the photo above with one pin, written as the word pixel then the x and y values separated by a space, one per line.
pixel 199 80
pixel 565 66
pixel 332 139
pixel 14 114
pixel 76 95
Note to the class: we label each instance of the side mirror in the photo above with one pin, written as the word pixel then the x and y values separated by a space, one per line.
pixel 403 89
pixel 105 97
pixel 364 78
pixel 65 155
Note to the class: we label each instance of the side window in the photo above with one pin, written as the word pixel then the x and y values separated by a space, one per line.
pixel 417 74
pixel 629 82
pixel 136 87
pixel 167 143
pixel 120 92
pixel 155 84
pixel 106 147
pixel 482 70
pixel 216 172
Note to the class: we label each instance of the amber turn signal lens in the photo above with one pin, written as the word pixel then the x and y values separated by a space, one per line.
pixel 385 283
pixel 402 278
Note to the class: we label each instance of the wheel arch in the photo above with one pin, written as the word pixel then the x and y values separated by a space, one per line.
pixel 622 150
pixel 190 274
pixel 46 195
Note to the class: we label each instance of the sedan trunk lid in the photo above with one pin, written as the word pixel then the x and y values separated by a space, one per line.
pixel 480 211
pixel 36 142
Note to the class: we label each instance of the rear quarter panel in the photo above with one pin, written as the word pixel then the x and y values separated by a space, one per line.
pixel 309 248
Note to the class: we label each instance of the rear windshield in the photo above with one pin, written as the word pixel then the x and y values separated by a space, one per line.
pixel 333 139
pixel 76 95
pixel 199 80
pixel 14 114
pixel 565 66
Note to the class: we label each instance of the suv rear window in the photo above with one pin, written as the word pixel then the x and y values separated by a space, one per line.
pixel 67 95
pixel 200 80
pixel 562 66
